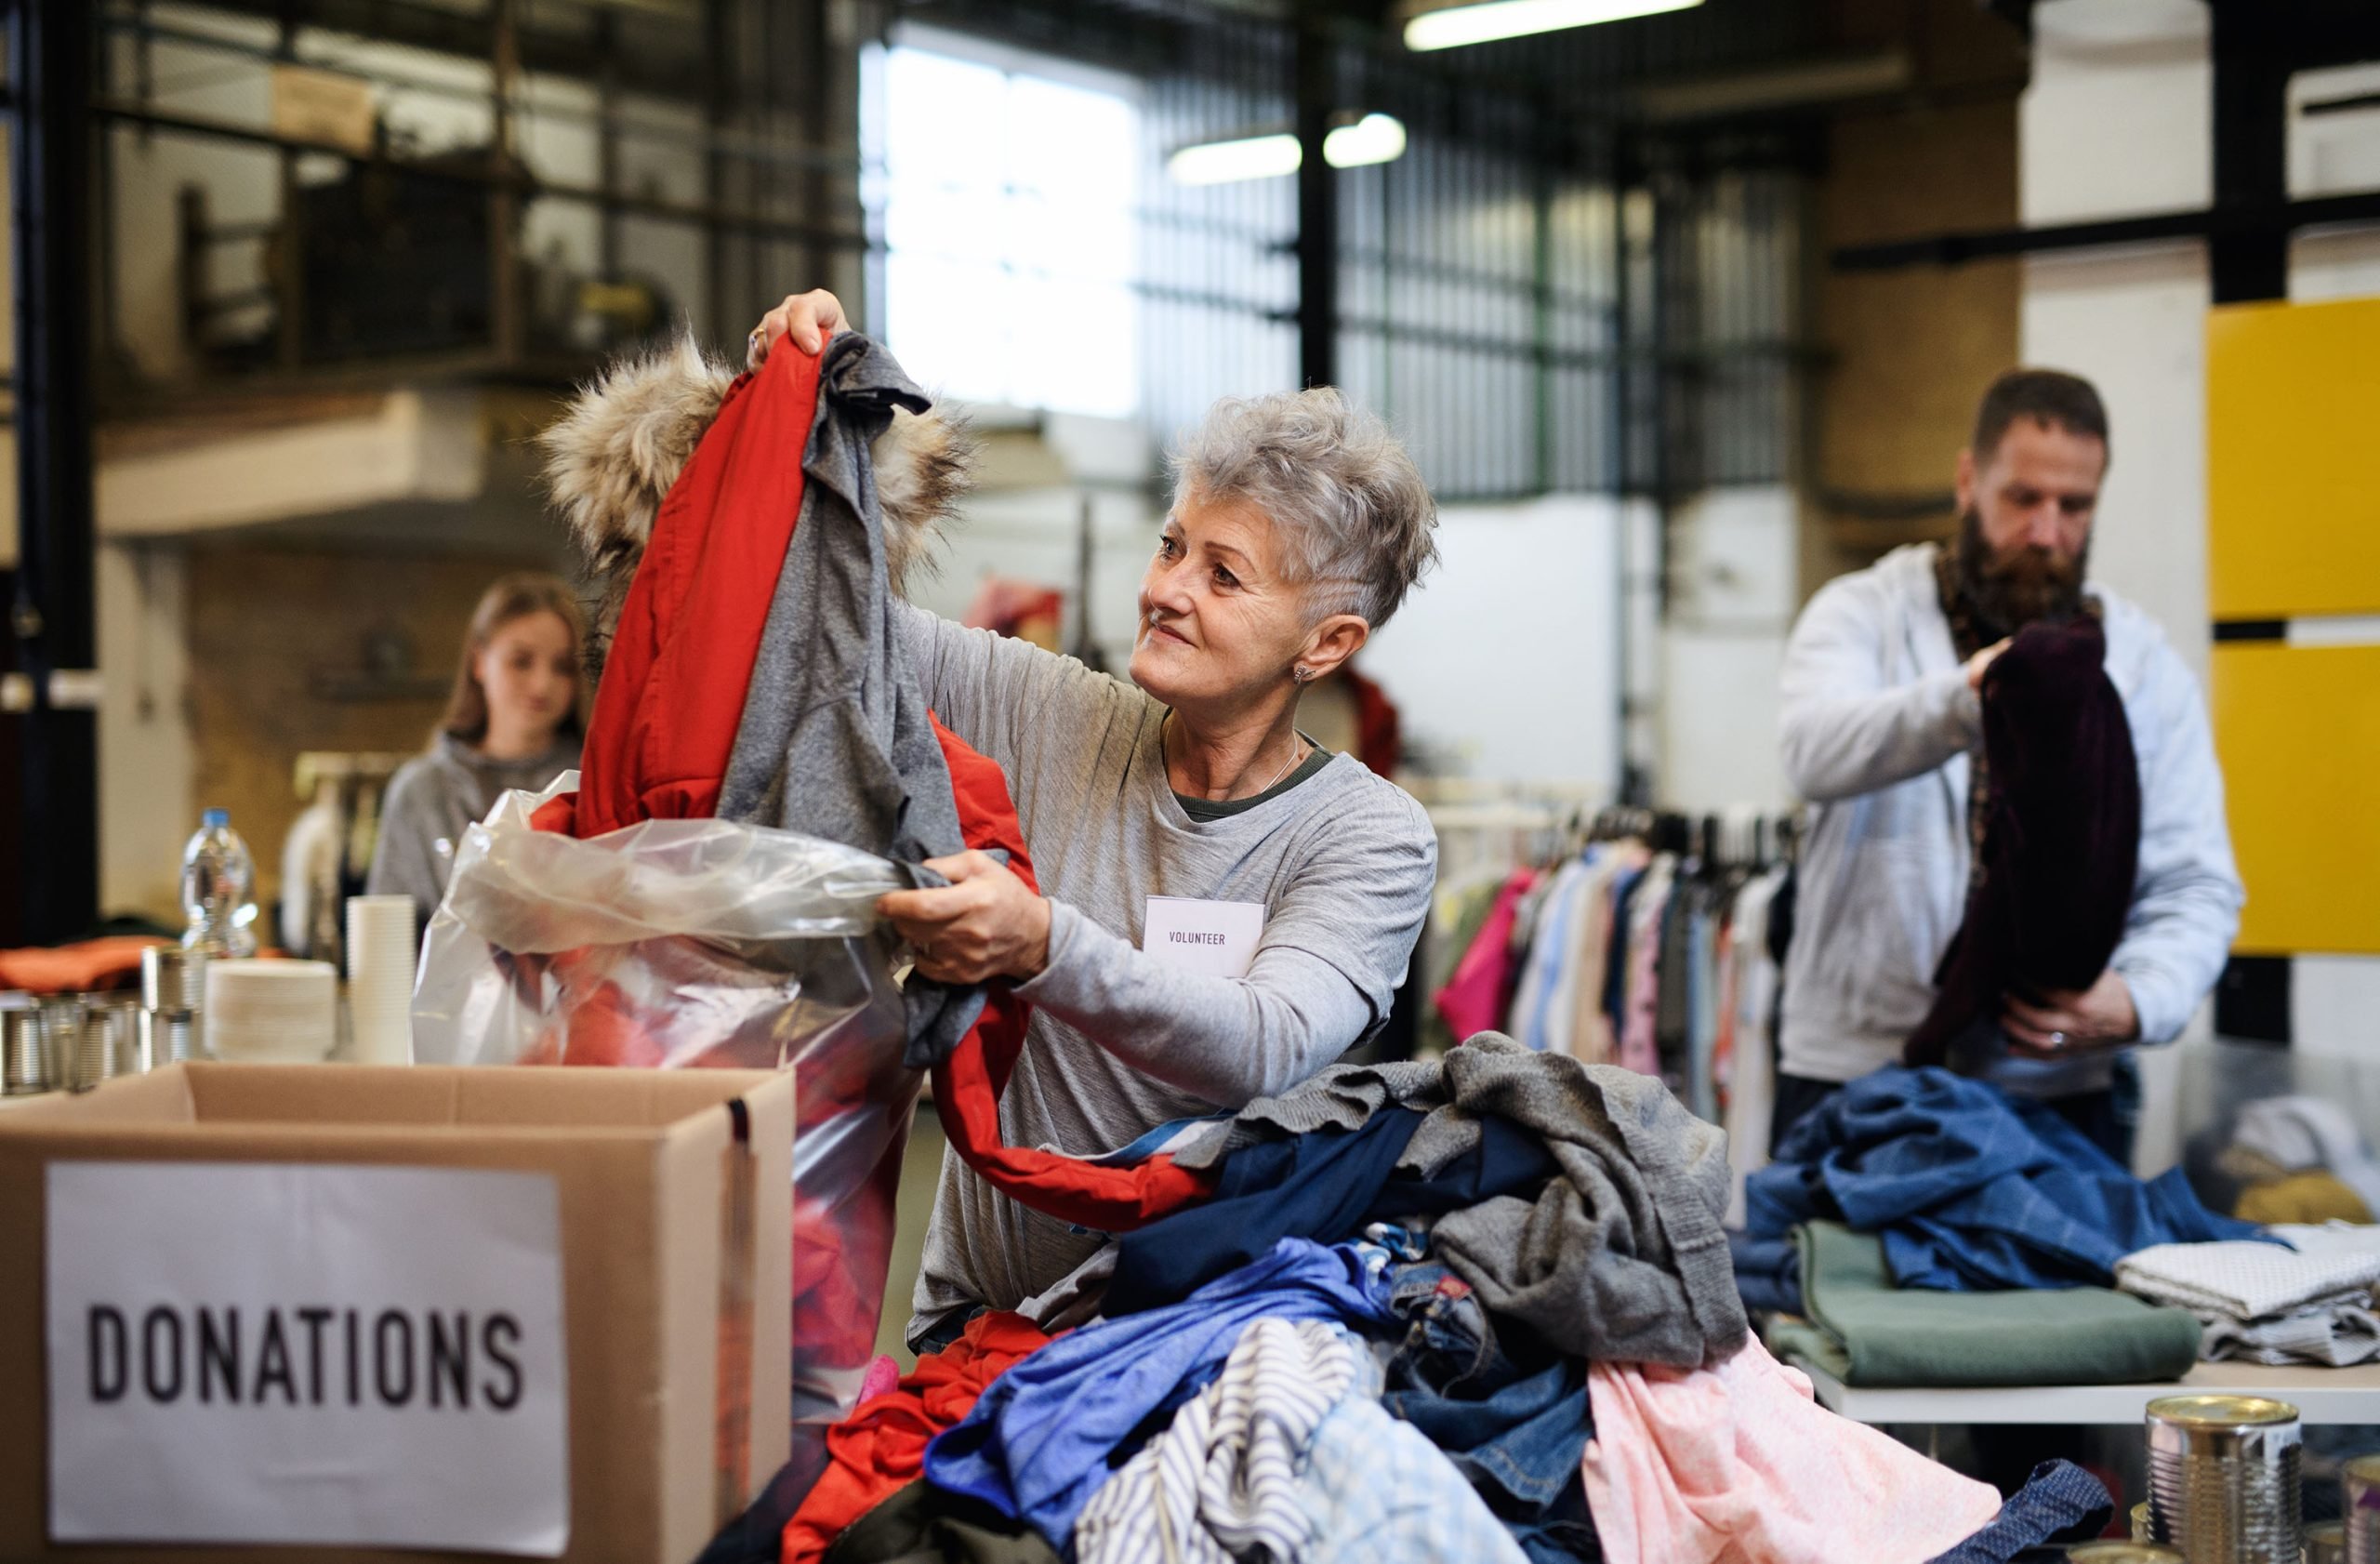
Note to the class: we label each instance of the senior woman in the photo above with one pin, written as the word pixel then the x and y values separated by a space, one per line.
pixel 1289 883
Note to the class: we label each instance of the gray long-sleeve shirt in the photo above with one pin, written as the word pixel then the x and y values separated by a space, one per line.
pixel 1876 726
pixel 1120 1040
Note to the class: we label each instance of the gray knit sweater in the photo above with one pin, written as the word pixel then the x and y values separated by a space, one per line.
pixel 1121 1042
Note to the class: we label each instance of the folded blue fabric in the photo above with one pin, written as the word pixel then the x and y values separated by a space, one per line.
pixel 1768 1273
pixel 1970 1189
pixel 2061 1503
pixel 1041 1439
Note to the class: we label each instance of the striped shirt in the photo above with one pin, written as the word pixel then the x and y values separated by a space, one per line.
pixel 1223 1482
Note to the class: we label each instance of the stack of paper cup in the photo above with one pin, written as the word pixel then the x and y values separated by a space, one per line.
pixel 379 979
pixel 281 1011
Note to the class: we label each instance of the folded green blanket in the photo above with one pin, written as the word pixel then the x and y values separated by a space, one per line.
pixel 1865 1332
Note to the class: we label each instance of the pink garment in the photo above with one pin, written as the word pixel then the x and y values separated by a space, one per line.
pixel 883 1377
pixel 1639 1044
pixel 1475 999
pixel 1738 1465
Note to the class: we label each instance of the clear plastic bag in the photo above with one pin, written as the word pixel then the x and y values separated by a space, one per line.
pixel 701 944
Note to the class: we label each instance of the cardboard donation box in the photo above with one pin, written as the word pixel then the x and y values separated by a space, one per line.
pixel 344 1313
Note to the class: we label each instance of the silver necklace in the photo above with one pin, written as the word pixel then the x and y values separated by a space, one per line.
pixel 1297 753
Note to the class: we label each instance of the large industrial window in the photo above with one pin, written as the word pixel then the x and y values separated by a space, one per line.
pixel 1004 198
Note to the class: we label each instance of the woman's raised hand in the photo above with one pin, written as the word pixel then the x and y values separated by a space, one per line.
pixel 809 318
pixel 986 924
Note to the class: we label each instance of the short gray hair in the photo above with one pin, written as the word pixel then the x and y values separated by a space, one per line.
pixel 1354 515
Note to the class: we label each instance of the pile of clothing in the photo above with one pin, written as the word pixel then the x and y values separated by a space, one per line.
pixel 1923 1228
pixel 2308 1303
pixel 1474 1308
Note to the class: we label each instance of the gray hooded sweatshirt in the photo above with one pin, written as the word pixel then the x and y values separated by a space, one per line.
pixel 430 802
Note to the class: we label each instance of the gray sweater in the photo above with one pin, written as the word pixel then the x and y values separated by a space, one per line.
pixel 1121 1042
pixel 430 802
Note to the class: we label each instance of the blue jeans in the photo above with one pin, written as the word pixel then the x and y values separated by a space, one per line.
pixel 1518 1434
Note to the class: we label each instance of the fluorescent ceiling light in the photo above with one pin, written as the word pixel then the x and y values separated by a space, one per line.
pixel 1221 162
pixel 1459 25
pixel 1373 138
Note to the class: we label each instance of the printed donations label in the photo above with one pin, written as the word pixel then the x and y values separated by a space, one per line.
pixel 306 1353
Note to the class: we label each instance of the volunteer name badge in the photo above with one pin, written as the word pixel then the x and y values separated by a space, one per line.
pixel 1212 938
pixel 333 1355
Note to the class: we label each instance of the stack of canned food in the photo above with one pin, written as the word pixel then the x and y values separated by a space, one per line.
pixel 71 1042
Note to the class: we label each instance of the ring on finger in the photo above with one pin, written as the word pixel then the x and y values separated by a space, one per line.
pixel 2057 1039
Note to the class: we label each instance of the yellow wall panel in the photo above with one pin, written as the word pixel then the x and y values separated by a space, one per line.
pixel 2293 458
pixel 2298 730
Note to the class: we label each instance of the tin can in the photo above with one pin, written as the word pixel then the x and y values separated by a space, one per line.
pixel 172 979
pixel 2326 1543
pixel 170 1036
pixel 2360 1487
pixel 2223 1478
pixel 22 1070
pixel 61 1037
pixel 2119 1551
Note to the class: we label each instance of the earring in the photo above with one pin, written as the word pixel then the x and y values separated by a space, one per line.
pixel 1300 673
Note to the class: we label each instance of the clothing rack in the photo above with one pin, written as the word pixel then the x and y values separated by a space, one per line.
pixel 1647 938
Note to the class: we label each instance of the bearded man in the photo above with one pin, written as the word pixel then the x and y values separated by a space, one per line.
pixel 1881 729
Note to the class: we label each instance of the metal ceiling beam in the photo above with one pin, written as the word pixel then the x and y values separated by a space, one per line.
pixel 1956 249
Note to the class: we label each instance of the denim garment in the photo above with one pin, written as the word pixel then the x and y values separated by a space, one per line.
pixel 1565 1534
pixel 1970 1188
pixel 1768 1273
pixel 1449 1343
pixel 2061 1504
pixel 1518 1434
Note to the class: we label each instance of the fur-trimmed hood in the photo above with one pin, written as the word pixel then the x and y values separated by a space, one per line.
pixel 610 457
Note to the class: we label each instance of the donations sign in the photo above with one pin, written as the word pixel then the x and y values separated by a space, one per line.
pixel 268 1352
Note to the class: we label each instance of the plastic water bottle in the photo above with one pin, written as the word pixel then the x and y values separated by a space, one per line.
pixel 218 888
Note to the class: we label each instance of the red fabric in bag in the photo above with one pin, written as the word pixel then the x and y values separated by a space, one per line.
pixel 881 1449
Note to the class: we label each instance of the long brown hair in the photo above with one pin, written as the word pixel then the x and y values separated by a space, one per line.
pixel 510 598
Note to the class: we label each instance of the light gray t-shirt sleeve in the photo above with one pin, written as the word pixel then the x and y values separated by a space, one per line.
pixel 1334 949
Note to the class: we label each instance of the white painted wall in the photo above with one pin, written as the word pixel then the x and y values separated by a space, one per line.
pixel 1506 659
